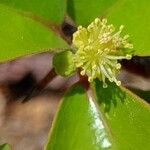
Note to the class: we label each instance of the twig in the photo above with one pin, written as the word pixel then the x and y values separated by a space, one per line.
pixel 41 85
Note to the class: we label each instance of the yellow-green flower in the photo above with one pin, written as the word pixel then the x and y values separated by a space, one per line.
pixel 98 49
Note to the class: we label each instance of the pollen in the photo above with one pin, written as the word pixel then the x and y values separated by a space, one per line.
pixel 98 49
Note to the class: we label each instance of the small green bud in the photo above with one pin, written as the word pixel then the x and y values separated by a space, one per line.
pixel 63 63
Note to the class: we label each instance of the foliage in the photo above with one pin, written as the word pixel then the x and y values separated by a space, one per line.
pixel 4 147
pixel 94 119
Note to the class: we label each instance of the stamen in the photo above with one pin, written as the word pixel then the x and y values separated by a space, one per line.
pixel 126 37
pixel 104 83
pixel 111 74
pixel 82 72
pixel 116 57
pixel 79 27
pixel 104 21
pixel 98 50
pixel 79 64
pixel 90 79
pixel 128 56
pixel 118 83
pixel 105 72
pixel 97 20
pixel 113 64
pixel 121 28
pixel 118 66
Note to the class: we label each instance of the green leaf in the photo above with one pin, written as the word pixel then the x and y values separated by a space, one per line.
pixel 52 10
pixel 127 116
pixel 5 147
pixel 84 12
pixel 135 16
pixel 63 63
pixel 78 124
pixel 142 93
pixel 21 36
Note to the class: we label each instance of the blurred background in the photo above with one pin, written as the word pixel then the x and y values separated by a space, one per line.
pixel 29 121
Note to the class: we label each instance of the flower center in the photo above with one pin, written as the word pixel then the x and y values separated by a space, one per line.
pixel 98 49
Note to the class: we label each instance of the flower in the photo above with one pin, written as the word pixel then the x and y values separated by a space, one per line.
pixel 98 50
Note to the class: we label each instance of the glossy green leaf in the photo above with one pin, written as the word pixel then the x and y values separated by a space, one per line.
pixel 52 10
pixel 63 63
pixel 21 36
pixel 127 116
pixel 141 93
pixel 134 14
pixel 78 124
pixel 5 147
pixel 84 12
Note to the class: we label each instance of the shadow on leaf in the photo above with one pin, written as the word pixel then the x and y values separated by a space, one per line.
pixel 108 96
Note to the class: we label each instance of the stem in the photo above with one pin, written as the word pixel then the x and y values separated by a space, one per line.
pixel 47 79
pixel 84 81
pixel 41 85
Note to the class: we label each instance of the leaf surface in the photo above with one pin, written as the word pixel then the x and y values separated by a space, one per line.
pixel 84 12
pixel 5 147
pixel 127 116
pixel 78 125
pixel 52 10
pixel 135 16
pixel 21 36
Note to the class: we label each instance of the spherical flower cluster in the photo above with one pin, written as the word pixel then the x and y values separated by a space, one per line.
pixel 98 50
